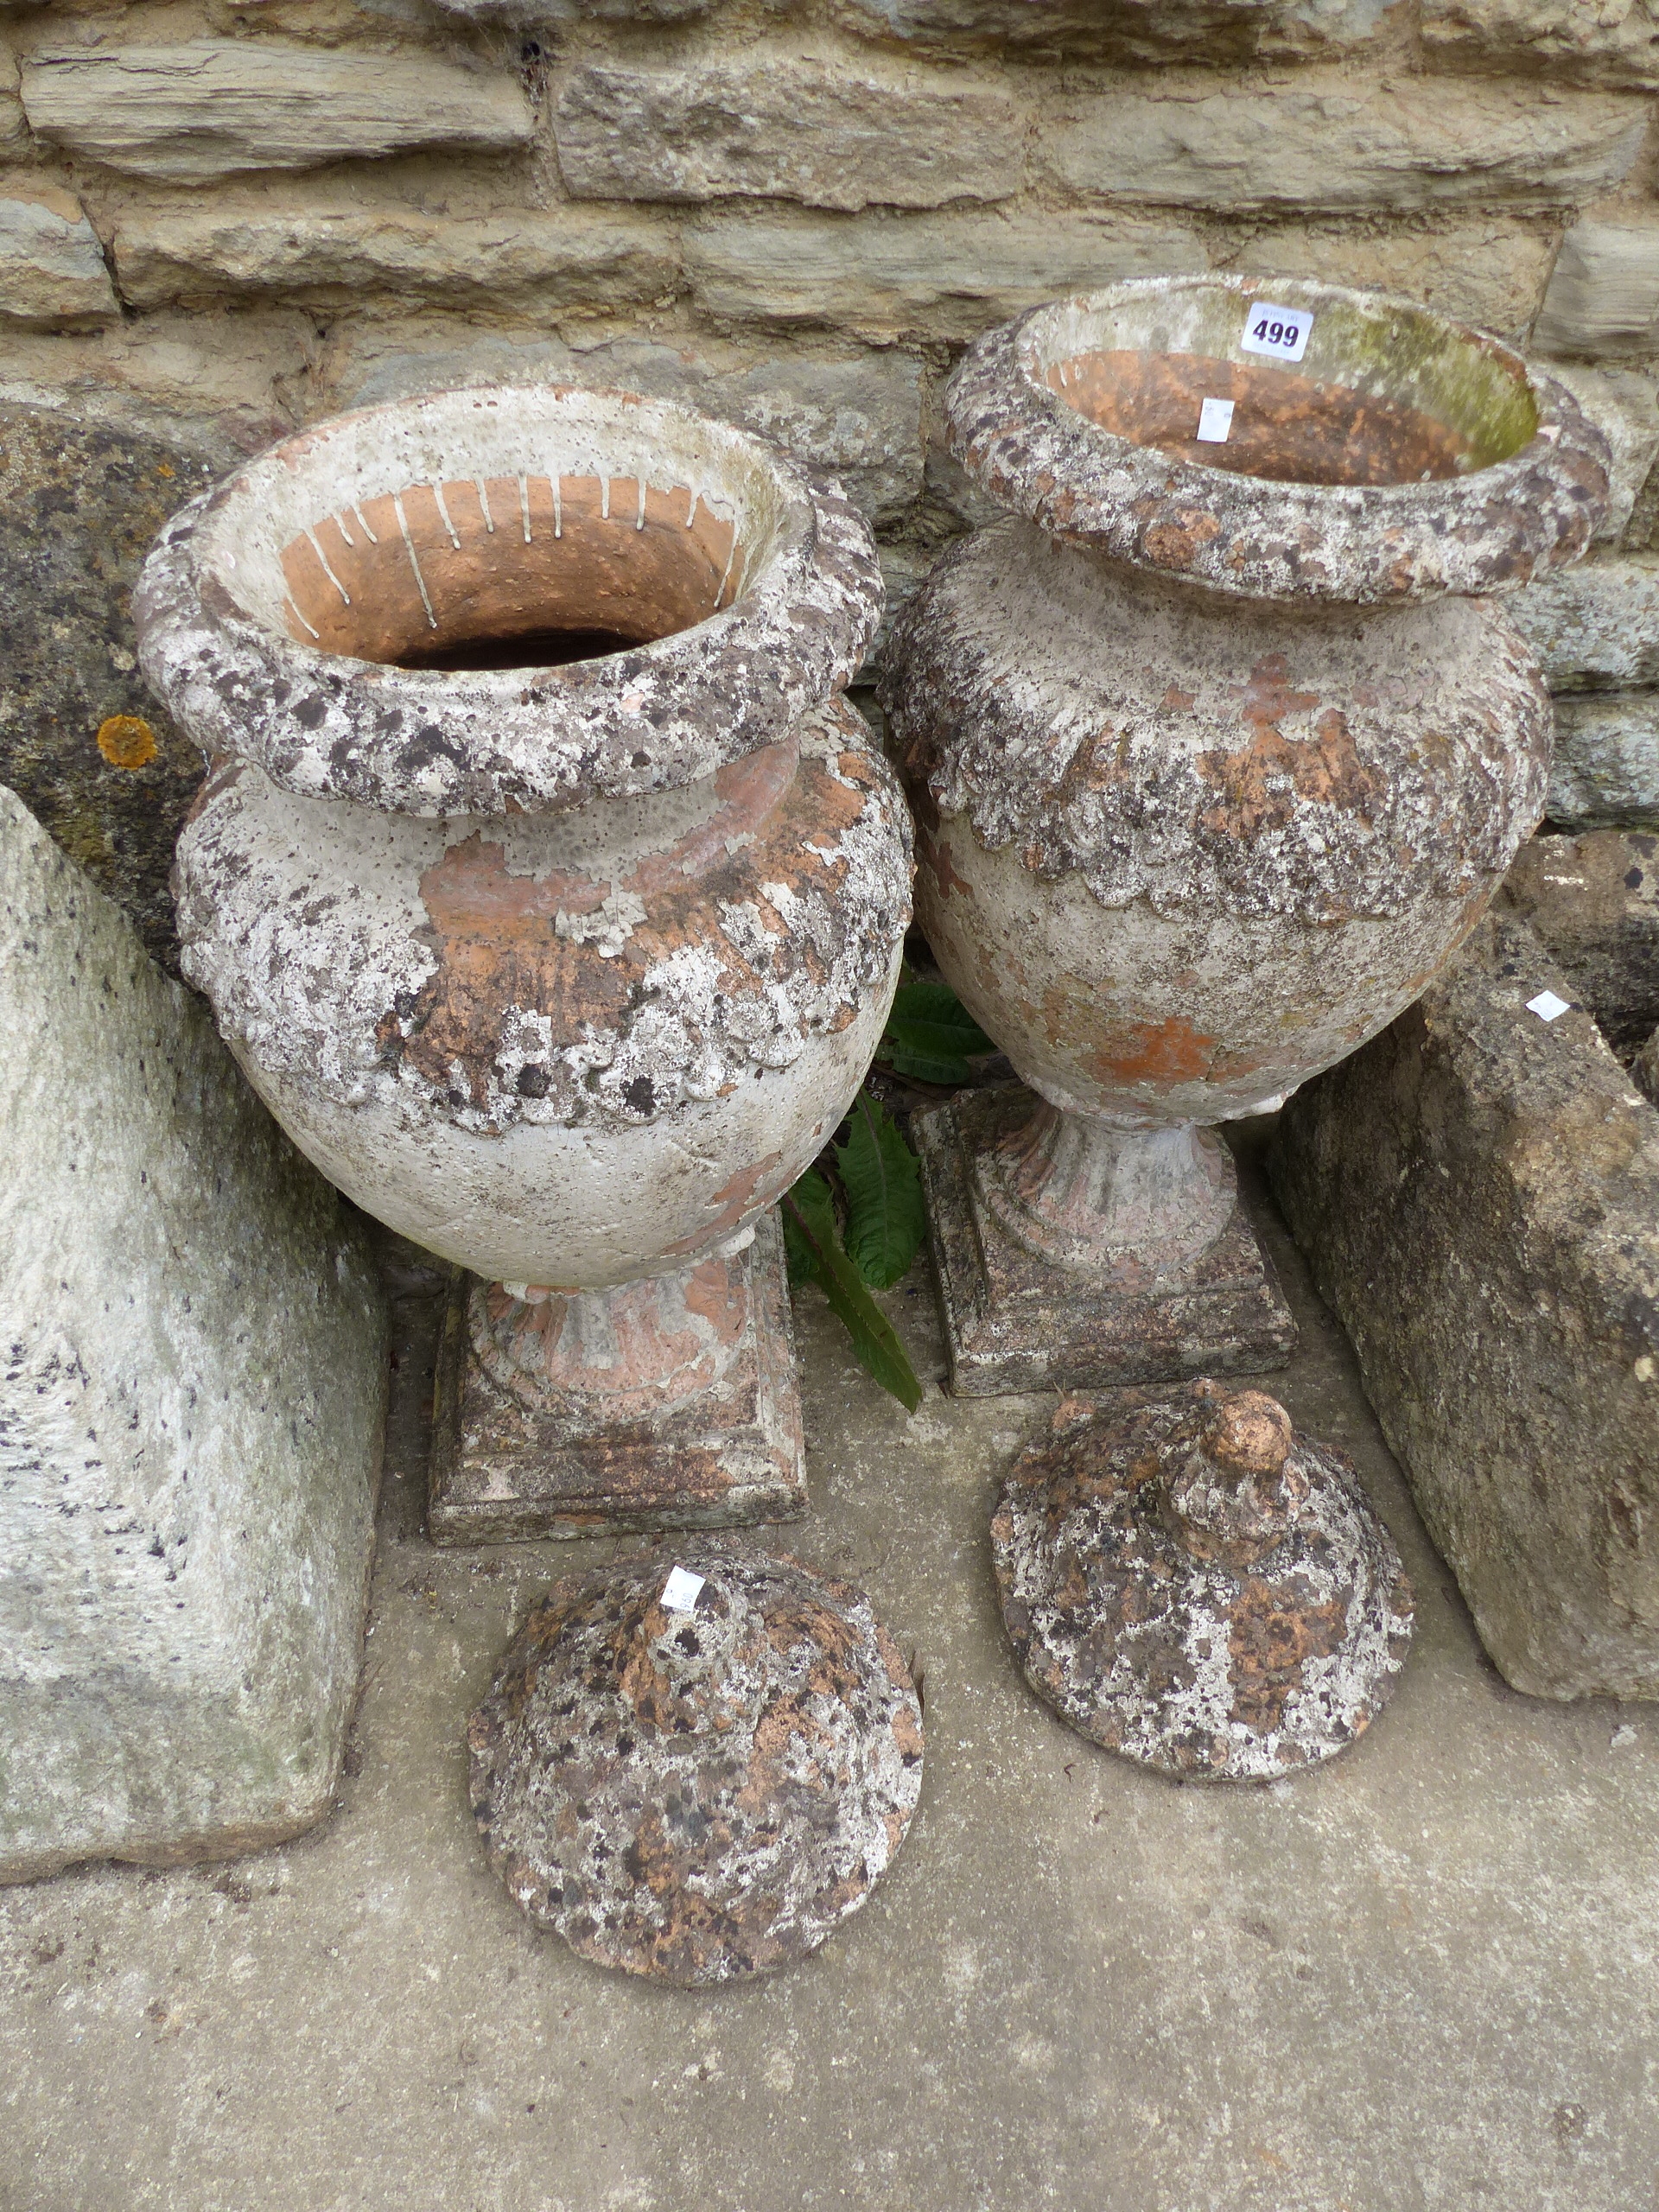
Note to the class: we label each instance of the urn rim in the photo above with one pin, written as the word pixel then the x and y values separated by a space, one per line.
pixel 222 623
pixel 1519 482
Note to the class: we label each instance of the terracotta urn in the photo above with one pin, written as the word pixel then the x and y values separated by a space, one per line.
pixel 552 897
pixel 1218 746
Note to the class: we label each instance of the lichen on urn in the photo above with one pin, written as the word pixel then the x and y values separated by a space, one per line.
pixel 1217 747
pixel 292 614
pixel 543 884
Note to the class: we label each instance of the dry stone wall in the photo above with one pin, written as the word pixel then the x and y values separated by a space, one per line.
pixel 248 213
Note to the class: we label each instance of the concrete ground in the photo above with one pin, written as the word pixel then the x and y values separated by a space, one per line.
pixel 1423 1977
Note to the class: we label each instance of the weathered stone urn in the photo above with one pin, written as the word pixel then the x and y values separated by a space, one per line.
pixel 552 898
pixel 1218 749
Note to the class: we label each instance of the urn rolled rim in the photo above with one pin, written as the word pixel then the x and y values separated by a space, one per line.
pixel 1386 452
pixel 283 616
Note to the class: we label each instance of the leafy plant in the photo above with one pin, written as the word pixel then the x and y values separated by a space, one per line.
pixel 880 1185
pixel 887 1214
pixel 931 1036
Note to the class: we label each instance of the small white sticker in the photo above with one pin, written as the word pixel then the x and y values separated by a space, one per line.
pixel 1215 421
pixel 681 1591
pixel 1548 1007
pixel 1282 332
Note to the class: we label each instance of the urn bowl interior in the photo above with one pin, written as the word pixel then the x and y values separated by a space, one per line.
pixel 1384 392
pixel 501 529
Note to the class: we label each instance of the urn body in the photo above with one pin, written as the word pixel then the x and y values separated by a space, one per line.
pixel 1218 746
pixel 553 899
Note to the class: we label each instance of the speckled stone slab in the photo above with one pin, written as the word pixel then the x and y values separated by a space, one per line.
pixel 515 1457
pixel 1017 1322
pixel 1188 1582
pixel 693 1766
pixel 190 1412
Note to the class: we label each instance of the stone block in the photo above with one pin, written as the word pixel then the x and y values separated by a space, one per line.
pixel 1602 298
pixel 1324 142
pixel 531 12
pixel 856 416
pixel 1477 1191
pixel 948 276
pixel 1208 30
pixel 53 274
pixel 1594 627
pixel 14 124
pixel 1605 771
pixel 1486 268
pixel 778 129
pixel 190 1417
pixel 1579 41
pixel 80 739
pixel 211 107
pixel 1624 404
pixel 336 256
pixel 1593 902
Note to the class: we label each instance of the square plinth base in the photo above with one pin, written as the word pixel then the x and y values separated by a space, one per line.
pixel 1015 1322
pixel 731 1455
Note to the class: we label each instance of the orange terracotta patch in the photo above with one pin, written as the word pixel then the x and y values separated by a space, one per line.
pixel 1152 1051
pixel 1258 787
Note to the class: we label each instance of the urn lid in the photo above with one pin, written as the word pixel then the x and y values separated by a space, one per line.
pixel 694 1765
pixel 505 600
pixel 1280 439
pixel 1191 1582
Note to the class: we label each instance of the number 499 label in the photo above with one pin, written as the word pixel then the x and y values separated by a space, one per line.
pixel 1282 332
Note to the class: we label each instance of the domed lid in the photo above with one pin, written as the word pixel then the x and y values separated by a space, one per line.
pixel 505 600
pixel 1280 439
pixel 1188 1582
pixel 694 1766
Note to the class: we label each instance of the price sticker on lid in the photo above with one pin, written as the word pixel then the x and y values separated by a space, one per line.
pixel 682 1591
pixel 1280 332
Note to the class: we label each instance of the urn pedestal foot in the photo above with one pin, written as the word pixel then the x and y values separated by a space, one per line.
pixel 668 1403
pixel 1073 1255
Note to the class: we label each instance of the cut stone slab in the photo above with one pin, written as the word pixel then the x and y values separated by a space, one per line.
pixel 1603 299
pixel 786 129
pixel 190 1419
pixel 81 742
pixel 1487 266
pixel 1594 627
pixel 1324 143
pixel 53 274
pixel 1605 770
pixel 211 107
pixel 1593 902
pixel 1209 31
pixel 332 257
pixel 1477 1191
pixel 946 275
pixel 1577 40
pixel 857 417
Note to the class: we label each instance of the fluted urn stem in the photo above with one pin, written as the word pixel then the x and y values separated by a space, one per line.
pixel 1086 1192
